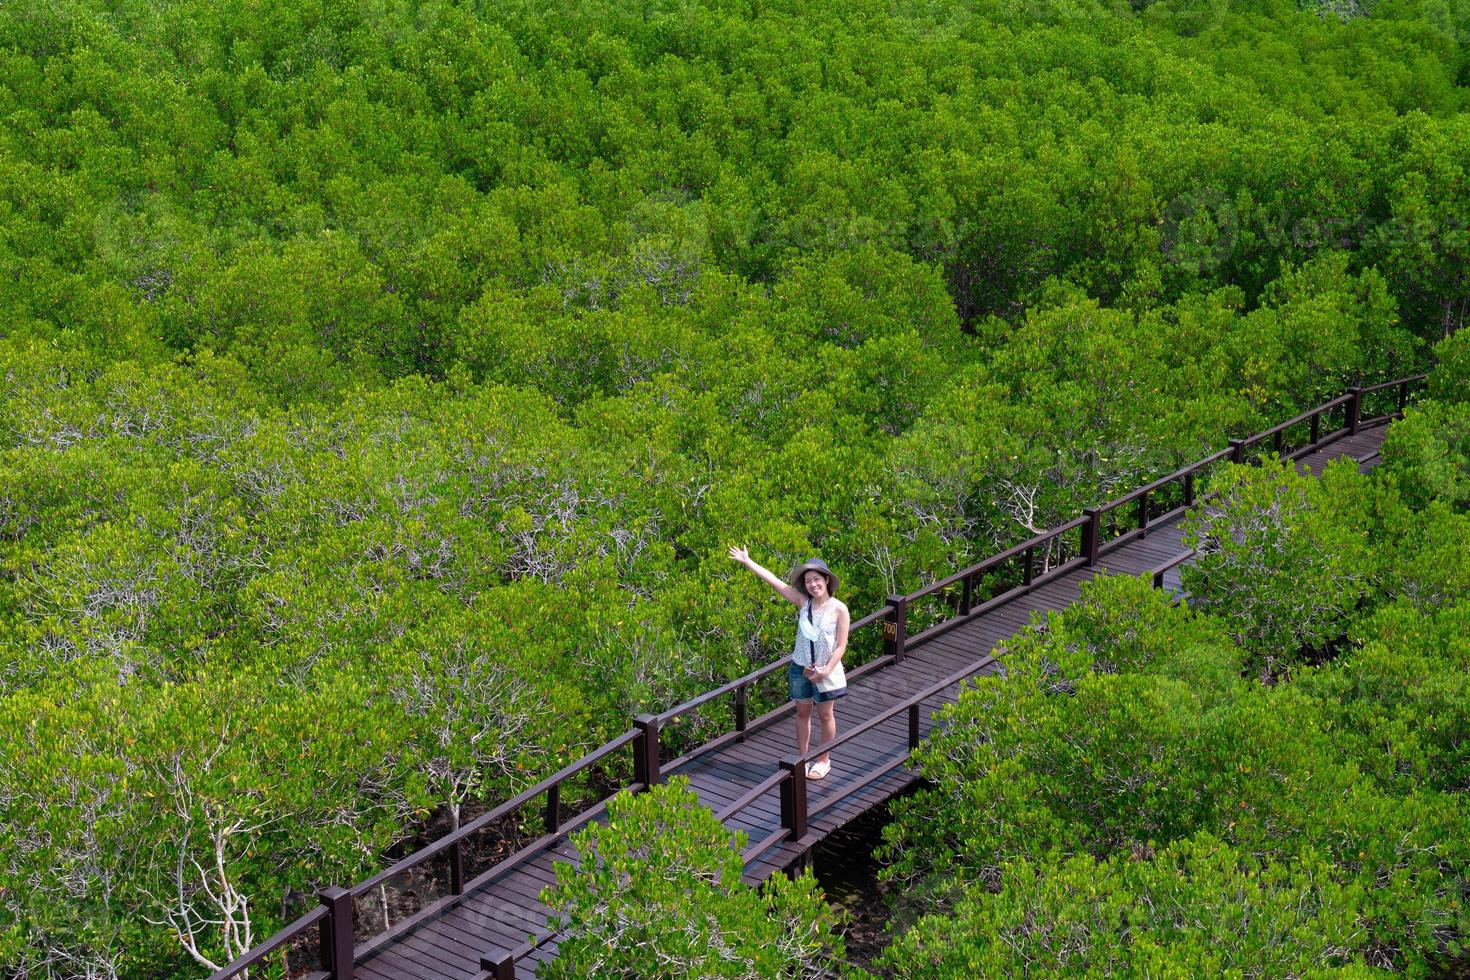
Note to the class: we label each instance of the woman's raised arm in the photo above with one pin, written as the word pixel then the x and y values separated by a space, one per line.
pixel 791 594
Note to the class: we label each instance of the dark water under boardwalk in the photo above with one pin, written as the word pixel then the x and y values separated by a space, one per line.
pixel 845 866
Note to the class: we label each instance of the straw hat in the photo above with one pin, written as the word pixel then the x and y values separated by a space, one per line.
pixel 813 565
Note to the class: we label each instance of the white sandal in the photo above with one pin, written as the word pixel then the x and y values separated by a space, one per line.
pixel 818 769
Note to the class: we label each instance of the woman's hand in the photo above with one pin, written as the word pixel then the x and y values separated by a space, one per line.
pixel 740 555
pixel 814 675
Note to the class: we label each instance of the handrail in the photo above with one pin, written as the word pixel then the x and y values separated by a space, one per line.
pixel 698 702
pixel 334 915
pixel 1157 573
pixel 1402 384
pixel 1322 409
pixel 500 812
pixel 871 617
pixel 756 792
pixel 791 776
pixel 257 955
pixel 498 963
pixel 765 843
pixel 1224 454
pixel 1164 481
pixel 1352 401
pixel 1384 385
pixel 998 558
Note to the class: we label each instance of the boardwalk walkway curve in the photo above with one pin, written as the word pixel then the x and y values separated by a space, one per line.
pixel 931 641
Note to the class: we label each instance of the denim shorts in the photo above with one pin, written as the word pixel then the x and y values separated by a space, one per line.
pixel 804 690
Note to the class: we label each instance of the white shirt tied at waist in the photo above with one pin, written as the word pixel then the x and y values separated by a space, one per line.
pixel 816 639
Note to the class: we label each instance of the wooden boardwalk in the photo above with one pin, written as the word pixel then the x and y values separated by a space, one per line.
pixel 501 915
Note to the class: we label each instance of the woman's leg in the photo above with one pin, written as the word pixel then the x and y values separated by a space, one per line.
pixel 827 715
pixel 803 725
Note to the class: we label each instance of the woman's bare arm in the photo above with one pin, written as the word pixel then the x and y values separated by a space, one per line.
pixel 792 595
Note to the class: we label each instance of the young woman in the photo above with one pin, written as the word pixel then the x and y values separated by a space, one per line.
pixel 822 622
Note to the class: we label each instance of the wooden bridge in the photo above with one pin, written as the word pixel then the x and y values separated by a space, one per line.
pixel 494 926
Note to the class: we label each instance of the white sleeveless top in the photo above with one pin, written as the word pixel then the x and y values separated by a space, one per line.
pixel 816 653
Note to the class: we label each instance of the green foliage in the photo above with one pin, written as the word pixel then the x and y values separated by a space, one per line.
pixel 100 780
pixel 1123 801
pixel 1449 380
pixel 1401 701
pixel 412 364
pixel 1283 557
pixel 1427 455
pixel 1033 762
pixel 1427 567
pixel 1197 908
pixel 1121 624
pixel 1333 323
pixel 658 893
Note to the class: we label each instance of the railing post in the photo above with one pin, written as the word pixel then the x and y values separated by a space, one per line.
pixel 793 797
pixel 456 869
pixel 895 627
pixel 1092 534
pixel 740 712
pixel 913 726
pixel 1355 410
pixel 1403 396
pixel 1143 515
pixel 499 964
pixel 1237 451
pixel 337 940
pixel 1029 572
pixel 1279 443
pixel 1316 427
pixel 645 751
pixel 553 808
pixel 967 595
pixel 1189 489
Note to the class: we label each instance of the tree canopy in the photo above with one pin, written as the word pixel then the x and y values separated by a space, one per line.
pixel 382 383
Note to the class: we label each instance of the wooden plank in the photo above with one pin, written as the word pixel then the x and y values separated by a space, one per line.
pixel 900 687
pixel 429 956
pixel 492 924
pixel 768 747
pixel 1059 594
pixel 522 891
pixel 963 645
pixel 405 963
pixel 1131 565
pixel 779 749
pixel 455 938
pixel 369 970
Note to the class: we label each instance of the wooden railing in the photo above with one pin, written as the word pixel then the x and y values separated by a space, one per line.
pixel 959 596
pixel 337 943
pixel 1162 569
